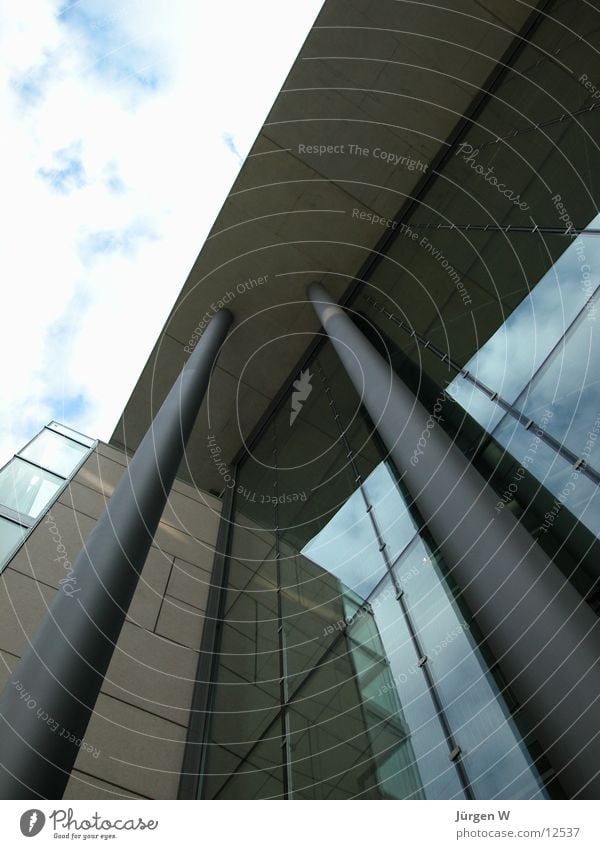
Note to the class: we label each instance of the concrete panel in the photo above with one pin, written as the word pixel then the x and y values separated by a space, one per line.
pixel 112 453
pixel 189 583
pixel 100 473
pixel 138 751
pixel 23 602
pixel 142 712
pixel 181 622
pixel 84 498
pixel 199 495
pixel 192 516
pixel 170 540
pixel 81 786
pixel 147 599
pixel 153 673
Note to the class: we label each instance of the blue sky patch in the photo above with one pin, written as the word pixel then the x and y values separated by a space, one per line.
pixel 30 87
pixel 112 179
pixel 124 241
pixel 69 408
pixel 230 145
pixel 68 173
pixel 113 53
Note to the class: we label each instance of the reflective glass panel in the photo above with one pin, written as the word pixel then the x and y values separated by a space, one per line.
pixel 395 523
pixel 566 392
pixel 257 776
pixel 573 490
pixel 497 763
pixel 55 453
pixel 517 350
pixel 72 434
pixel 314 607
pixel 27 489
pixel 347 547
pixel 408 687
pixel 332 756
pixel 395 771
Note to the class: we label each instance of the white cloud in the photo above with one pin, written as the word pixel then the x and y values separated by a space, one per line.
pixel 121 123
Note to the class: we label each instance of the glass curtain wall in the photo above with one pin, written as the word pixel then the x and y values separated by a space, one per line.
pixel 347 665
pixel 34 479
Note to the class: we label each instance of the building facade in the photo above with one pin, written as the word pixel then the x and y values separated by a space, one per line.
pixel 376 575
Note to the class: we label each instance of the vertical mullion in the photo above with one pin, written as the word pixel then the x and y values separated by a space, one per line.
pixel 283 679
pixel 453 747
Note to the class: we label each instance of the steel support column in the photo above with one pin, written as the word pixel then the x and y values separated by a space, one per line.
pixel 542 633
pixel 49 699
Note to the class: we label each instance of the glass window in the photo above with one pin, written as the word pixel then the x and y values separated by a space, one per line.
pixel 258 775
pixel 566 393
pixel 395 771
pixel 347 547
pixel 573 490
pixel 11 535
pixel 314 613
pixel 249 648
pixel 407 684
pixel 72 434
pixel 497 763
pixel 54 452
pixel 394 521
pixel 517 350
pixel 331 750
pixel 27 489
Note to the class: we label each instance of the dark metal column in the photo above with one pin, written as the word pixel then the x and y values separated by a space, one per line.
pixel 49 699
pixel 544 636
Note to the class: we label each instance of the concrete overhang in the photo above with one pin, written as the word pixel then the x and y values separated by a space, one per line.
pixel 370 102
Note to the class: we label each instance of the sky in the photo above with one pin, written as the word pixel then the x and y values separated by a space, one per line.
pixel 123 126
